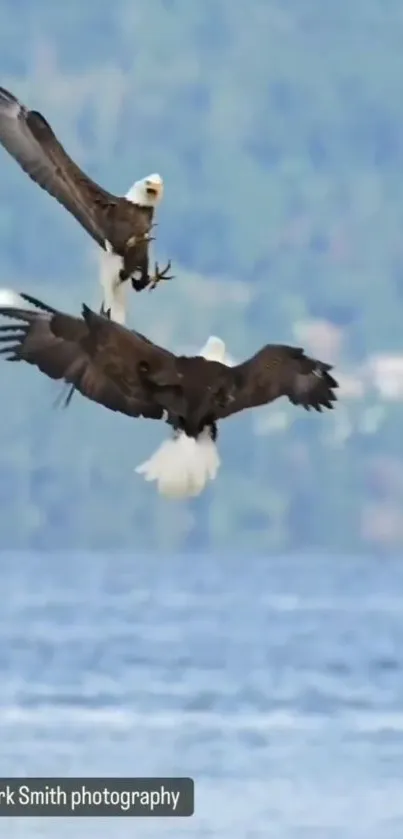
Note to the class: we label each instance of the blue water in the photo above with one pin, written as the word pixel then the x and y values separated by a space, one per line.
pixel 276 684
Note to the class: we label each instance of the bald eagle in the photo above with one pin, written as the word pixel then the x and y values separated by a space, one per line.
pixel 199 457
pixel 121 226
pixel 126 372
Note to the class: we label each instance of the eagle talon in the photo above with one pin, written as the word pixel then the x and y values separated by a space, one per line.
pixel 160 275
pixel 105 312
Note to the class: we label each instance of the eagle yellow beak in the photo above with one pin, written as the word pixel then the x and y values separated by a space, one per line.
pixel 154 186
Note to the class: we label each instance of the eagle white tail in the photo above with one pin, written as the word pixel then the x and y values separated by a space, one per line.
pixel 182 466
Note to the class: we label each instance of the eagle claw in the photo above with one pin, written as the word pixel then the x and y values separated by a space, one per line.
pixel 105 312
pixel 160 275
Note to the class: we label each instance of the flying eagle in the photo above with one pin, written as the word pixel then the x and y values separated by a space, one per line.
pixel 125 372
pixel 121 226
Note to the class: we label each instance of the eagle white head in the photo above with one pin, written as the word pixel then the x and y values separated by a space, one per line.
pixel 214 350
pixel 147 192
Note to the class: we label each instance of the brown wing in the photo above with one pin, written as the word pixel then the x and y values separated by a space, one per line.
pixel 103 361
pixel 280 371
pixel 30 140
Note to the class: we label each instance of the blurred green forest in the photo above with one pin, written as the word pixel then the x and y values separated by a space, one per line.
pixel 278 128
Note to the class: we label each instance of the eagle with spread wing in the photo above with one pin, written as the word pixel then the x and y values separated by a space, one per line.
pixel 121 226
pixel 126 372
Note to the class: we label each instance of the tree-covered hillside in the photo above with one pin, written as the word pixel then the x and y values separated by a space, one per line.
pixel 278 128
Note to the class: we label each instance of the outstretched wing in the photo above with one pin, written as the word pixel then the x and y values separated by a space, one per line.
pixel 280 371
pixel 28 137
pixel 102 360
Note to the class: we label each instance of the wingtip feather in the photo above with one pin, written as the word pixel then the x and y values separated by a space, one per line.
pixel 9 103
pixel 6 95
pixel 314 387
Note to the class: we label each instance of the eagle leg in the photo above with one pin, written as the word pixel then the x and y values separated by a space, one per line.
pixel 160 275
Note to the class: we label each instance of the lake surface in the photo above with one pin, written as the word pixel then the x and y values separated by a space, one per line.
pixel 277 684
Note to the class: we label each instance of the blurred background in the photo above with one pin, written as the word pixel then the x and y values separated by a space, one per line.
pixel 278 128
pixel 251 637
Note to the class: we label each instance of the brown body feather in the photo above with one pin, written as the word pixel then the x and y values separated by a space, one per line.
pixel 126 372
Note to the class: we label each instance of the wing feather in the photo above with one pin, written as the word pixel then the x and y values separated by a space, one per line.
pixel 277 371
pixel 28 137
pixel 95 356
